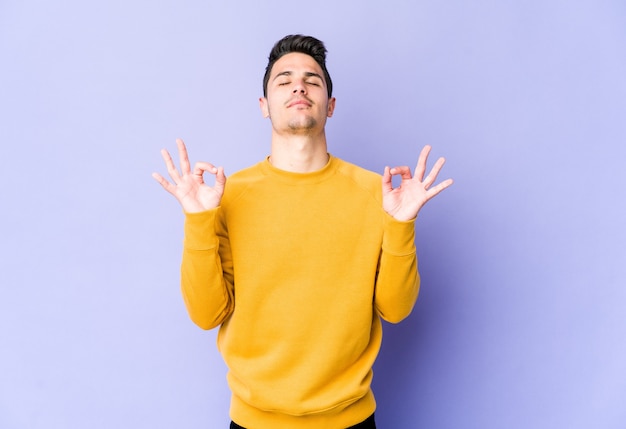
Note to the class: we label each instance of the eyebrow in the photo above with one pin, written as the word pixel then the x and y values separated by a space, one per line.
pixel 307 74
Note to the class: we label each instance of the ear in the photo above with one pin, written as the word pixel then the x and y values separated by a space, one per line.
pixel 265 111
pixel 331 106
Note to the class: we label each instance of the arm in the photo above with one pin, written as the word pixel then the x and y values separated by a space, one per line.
pixel 206 271
pixel 207 295
pixel 398 281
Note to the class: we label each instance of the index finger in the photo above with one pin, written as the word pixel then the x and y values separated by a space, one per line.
pixel 404 172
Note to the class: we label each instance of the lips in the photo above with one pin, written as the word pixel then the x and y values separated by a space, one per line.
pixel 299 102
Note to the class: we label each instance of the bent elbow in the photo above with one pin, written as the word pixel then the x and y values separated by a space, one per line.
pixel 203 323
pixel 397 306
pixel 397 315
pixel 209 319
pixel 203 317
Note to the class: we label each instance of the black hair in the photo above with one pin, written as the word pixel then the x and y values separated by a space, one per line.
pixel 303 44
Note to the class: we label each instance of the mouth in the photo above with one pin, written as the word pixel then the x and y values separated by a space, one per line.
pixel 299 103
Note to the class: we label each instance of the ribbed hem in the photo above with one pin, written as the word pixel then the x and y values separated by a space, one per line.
pixel 339 418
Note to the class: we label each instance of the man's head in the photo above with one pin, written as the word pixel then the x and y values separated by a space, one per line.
pixel 302 44
pixel 297 87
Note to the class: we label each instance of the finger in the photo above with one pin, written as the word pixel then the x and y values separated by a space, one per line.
pixel 420 168
pixel 220 180
pixel 437 189
pixel 163 182
pixel 169 164
pixel 434 172
pixel 403 171
pixel 387 186
pixel 200 167
pixel 185 168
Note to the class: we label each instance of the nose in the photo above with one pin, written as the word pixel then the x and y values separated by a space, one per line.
pixel 299 87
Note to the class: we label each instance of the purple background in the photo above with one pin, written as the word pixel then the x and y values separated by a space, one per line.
pixel 521 322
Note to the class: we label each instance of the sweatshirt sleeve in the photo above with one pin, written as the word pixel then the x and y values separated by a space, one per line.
pixel 398 281
pixel 206 286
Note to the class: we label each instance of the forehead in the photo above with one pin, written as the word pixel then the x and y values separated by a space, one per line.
pixel 296 62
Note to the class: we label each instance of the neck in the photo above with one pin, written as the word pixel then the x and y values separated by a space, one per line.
pixel 299 153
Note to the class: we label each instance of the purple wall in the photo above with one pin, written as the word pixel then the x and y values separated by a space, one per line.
pixel 521 321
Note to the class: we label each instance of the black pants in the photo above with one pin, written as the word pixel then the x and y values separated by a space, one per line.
pixel 368 423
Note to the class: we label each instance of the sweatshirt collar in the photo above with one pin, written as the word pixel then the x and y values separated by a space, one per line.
pixel 301 178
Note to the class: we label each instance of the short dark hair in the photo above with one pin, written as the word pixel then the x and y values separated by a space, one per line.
pixel 303 44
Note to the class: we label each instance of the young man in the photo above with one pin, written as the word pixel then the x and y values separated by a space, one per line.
pixel 299 257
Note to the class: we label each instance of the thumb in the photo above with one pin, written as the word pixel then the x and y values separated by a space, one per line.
pixel 386 182
pixel 220 180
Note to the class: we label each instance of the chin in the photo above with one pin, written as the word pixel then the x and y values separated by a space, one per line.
pixel 303 124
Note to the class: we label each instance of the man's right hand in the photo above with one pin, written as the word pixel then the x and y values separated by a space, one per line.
pixel 189 188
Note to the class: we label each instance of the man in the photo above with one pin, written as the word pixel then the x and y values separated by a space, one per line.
pixel 299 257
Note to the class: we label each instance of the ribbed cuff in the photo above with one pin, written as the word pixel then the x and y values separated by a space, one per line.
pixel 200 230
pixel 398 236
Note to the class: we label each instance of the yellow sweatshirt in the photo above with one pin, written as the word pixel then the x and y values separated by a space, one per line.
pixel 297 268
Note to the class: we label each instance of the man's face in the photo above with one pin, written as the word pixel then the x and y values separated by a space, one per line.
pixel 297 98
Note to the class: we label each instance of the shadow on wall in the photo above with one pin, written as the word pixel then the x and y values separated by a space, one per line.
pixel 411 373
pixel 403 375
